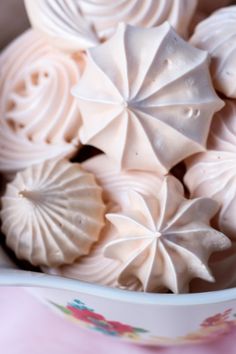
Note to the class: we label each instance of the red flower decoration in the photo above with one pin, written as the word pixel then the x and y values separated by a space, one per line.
pixel 218 319
pixel 85 315
pixel 120 327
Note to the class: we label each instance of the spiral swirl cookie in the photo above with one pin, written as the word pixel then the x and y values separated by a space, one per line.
pixel 217 35
pixel 105 15
pixel 116 184
pixel 39 118
pixel 74 25
pixel 213 173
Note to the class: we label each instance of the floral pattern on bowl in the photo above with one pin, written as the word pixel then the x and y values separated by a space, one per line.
pixel 211 328
pixel 88 318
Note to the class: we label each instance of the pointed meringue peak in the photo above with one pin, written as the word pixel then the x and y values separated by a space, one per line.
pixel 52 213
pixel 165 241
pixel 146 98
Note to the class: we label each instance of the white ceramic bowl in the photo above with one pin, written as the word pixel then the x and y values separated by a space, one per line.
pixel 151 319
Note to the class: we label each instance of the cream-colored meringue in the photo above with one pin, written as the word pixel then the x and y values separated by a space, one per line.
pixel 52 213
pixel 217 35
pixel 209 6
pixel 146 98
pixel 62 23
pixel 165 241
pixel 39 118
pixel 213 173
pixel 116 184
pixel 73 25
pixel 105 15
pixel 96 268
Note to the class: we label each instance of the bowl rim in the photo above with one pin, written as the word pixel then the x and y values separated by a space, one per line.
pixel 15 277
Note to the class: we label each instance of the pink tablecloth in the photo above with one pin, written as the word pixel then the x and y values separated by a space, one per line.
pixel 30 327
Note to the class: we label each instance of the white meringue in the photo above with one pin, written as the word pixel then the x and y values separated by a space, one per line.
pixel 166 241
pixel 213 173
pixel 52 213
pixel 105 15
pixel 217 35
pixel 62 23
pixel 39 118
pixel 96 268
pixel 73 25
pixel 116 184
pixel 147 106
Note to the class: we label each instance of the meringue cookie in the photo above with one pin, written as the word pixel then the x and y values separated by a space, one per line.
pixel 39 118
pixel 116 184
pixel 62 23
pixel 52 213
pixel 146 98
pixel 165 241
pixel 96 268
pixel 73 25
pixel 213 173
pixel 217 35
pixel 105 15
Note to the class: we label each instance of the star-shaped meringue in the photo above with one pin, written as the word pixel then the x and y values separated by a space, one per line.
pixel 146 98
pixel 166 241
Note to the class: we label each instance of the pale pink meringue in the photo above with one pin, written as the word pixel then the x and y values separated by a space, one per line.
pixel 96 268
pixel 116 184
pixel 213 173
pixel 52 213
pixel 39 118
pixel 150 105
pixel 73 25
pixel 217 35
pixel 105 15
pixel 62 24
pixel 166 241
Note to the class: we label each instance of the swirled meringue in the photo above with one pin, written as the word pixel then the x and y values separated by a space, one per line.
pixel 73 25
pixel 39 118
pixel 217 35
pixel 96 268
pixel 52 213
pixel 62 23
pixel 116 184
pixel 147 106
pixel 105 14
pixel 165 241
pixel 213 173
